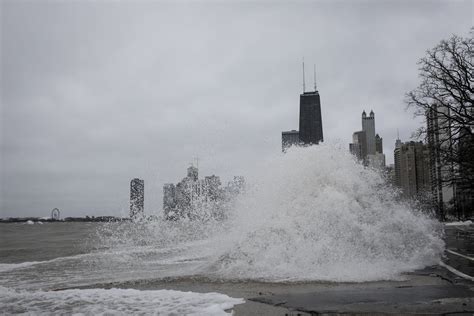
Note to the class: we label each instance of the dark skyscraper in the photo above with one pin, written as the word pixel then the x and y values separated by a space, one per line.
pixel 311 124
pixel 137 197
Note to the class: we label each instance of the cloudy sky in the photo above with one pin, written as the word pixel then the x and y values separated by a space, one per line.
pixel 94 93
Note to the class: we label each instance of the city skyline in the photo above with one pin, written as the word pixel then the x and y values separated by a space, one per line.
pixel 91 104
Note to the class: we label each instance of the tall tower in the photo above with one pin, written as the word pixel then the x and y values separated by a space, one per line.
pixel 311 123
pixel 368 126
pixel 137 197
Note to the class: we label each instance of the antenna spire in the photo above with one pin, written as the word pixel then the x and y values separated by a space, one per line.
pixel 304 85
pixel 398 135
pixel 315 87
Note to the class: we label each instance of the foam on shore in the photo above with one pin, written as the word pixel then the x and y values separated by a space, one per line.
pixel 116 302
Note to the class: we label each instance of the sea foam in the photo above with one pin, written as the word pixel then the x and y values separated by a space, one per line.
pixel 116 302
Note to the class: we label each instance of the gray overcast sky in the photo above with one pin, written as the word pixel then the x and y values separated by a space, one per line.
pixel 96 93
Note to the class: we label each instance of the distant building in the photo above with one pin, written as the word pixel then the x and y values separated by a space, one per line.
pixel 451 182
pixel 311 124
pixel 378 144
pixel 366 145
pixel 439 139
pixel 236 186
pixel 193 173
pixel 310 120
pixel 397 164
pixel 289 138
pixel 195 198
pixel 376 161
pixel 359 145
pixel 390 174
pixel 169 198
pixel 137 197
pixel 211 189
pixel 465 185
pixel 368 126
pixel 412 168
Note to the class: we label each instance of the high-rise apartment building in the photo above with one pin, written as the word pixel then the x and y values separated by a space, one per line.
pixel 439 140
pixel 465 185
pixel 451 179
pixel 137 197
pixel 412 168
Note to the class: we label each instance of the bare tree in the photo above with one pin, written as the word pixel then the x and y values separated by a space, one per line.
pixel 444 99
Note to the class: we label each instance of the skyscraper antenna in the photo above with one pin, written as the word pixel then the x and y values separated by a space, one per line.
pixel 304 86
pixel 315 88
pixel 398 135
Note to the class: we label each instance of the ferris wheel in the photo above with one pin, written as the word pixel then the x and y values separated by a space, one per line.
pixel 55 214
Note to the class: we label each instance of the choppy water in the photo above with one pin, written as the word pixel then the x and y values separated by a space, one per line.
pixel 312 214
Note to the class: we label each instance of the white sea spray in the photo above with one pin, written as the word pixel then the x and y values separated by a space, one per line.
pixel 316 214
pixel 313 213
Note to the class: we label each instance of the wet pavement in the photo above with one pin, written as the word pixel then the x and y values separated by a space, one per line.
pixel 460 248
pixel 439 290
pixel 413 299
